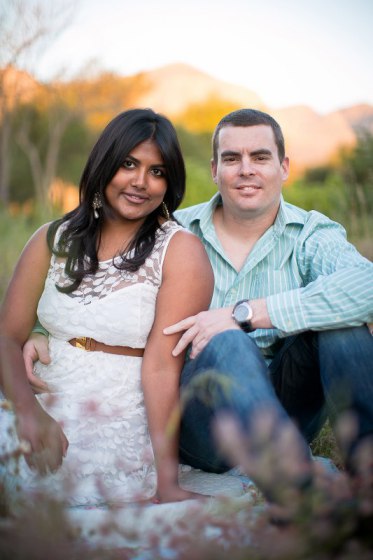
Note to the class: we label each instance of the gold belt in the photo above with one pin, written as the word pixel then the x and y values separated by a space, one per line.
pixel 92 345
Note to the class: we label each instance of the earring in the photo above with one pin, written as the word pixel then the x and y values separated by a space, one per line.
pixel 96 204
pixel 165 211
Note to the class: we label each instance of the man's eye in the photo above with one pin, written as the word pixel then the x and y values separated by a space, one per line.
pixel 230 159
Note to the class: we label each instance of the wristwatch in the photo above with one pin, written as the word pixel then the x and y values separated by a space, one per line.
pixel 242 314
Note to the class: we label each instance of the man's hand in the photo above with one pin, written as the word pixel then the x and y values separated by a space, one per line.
pixel 200 328
pixel 44 437
pixel 36 348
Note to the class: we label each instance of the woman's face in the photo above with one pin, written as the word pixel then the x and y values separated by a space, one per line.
pixel 139 185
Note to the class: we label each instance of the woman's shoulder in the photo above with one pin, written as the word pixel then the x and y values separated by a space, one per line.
pixel 179 235
pixel 182 242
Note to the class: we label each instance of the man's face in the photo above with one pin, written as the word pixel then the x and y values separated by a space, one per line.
pixel 248 171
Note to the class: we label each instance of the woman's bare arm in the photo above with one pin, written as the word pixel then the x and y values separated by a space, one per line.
pixel 47 442
pixel 186 288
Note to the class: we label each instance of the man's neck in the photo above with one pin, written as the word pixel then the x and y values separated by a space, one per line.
pixel 238 234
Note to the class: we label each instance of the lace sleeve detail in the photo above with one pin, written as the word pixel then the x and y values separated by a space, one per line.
pixel 172 228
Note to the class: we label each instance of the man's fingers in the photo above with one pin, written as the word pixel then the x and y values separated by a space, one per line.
pixel 180 326
pixel 38 386
pixel 198 347
pixel 29 364
pixel 65 444
pixel 44 356
pixel 184 341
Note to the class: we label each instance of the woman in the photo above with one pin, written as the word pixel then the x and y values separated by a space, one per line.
pixel 107 278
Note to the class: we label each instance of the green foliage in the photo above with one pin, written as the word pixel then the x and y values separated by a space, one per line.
pixel 318 174
pixel 203 116
pixel 76 145
pixel 197 153
pixel 357 172
pixel 21 186
pixel 36 123
pixel 324 445
pixel 200 186
pixel 196 146
pixel 344 193
pixel 327 197
pixel 14 233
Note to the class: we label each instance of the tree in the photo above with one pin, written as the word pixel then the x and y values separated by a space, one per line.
pixel 357 172
pixel 51 140
pixel 203 116
pixel 39 131
pixel 25 27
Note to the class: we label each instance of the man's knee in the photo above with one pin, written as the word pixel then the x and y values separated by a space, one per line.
pixel 352 344
pixel 230 366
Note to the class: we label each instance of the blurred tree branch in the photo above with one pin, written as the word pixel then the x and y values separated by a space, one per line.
pixel 26 26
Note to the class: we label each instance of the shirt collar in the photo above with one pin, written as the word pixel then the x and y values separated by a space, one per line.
pixel 287 213
pixel 205 212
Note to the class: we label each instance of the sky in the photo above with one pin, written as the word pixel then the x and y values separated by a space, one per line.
pixel 317 53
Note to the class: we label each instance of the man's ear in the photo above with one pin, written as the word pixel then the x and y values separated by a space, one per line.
pixel 213 170
pixel 285 166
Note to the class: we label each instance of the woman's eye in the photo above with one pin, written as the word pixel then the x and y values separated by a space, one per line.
pixel 158 172
pixel 128 164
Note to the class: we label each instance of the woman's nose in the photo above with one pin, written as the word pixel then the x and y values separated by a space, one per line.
pixel 139 178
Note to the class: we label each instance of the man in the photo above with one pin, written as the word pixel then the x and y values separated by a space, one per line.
pixel 287 323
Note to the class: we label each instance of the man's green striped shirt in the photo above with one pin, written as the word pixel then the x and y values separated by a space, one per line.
pixel 311 277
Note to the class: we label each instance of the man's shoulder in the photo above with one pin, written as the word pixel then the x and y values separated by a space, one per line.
pixel 295 214
pixel 187 215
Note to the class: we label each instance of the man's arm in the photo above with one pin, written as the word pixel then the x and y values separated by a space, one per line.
pixel 338 290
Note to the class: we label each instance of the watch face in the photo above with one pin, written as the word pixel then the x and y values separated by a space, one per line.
pixel 243 312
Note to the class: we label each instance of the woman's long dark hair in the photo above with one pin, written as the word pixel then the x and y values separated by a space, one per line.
pixel 81 235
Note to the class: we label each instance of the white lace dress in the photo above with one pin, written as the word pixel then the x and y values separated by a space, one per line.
pixel 97 396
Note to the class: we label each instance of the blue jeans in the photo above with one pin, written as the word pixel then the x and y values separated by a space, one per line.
pixel 314 374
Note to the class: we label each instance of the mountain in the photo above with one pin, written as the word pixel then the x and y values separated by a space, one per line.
pixel 173 88
pixel 312 139
pixel 360 117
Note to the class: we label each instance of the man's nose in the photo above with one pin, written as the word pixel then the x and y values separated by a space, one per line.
pixel 247 167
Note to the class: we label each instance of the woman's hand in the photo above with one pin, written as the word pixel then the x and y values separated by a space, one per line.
pixel 174 494
pixel 43 436
pixel 36 348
